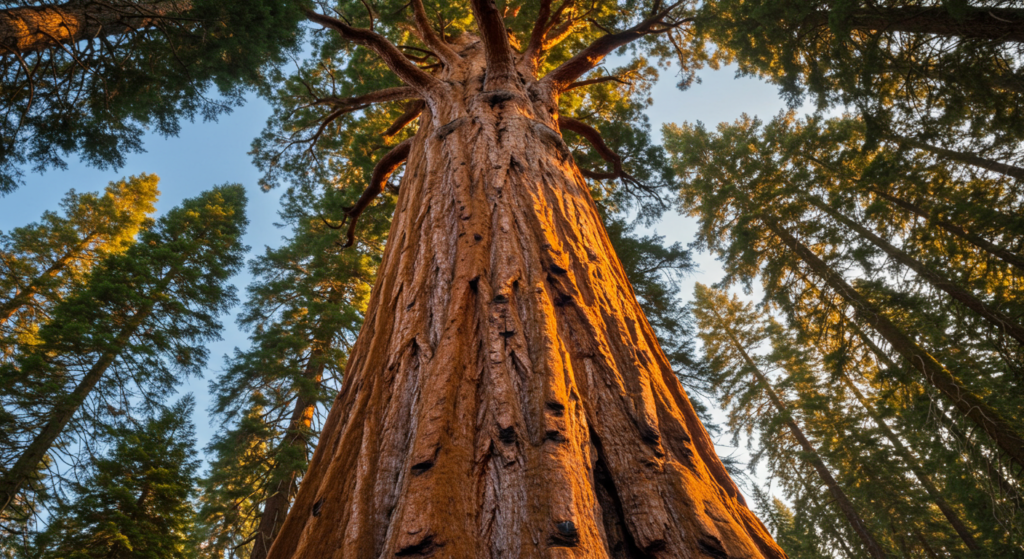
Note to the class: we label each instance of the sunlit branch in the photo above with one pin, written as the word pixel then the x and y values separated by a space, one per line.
pixel 536 44
pixel 381 171
pixel 406 71
pixel 36 28
pixel 501 70
pixel 412 112
pixel 430 37
pixel 592 55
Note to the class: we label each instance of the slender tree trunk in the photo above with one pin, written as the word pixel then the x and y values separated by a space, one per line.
pixel 13 479
pixel 925 545
pixel 915 467
pixel 996 318
pixel 296 440
pixel 965 401
pixel 995 24
pixel 36 28
pixel 506 396
pixel 968 158
pixel 842 501
pixel 955 230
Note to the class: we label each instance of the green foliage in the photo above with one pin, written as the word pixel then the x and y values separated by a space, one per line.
pixel 96 98
pixel 119 343
pixel 136 501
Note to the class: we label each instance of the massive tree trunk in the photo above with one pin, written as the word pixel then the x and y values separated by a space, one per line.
pixel 506 396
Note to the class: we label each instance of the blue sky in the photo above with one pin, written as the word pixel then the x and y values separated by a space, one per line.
pixel 212 153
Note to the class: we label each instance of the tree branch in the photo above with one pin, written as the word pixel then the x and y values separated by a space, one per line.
pixel 501 68
pixel 594 81
pixel 429 37
pixel 381 171
pixel 536 44
pixel 592 55
pixel 412 112
pixel 406 71
pixel 37 28
pixel 591 135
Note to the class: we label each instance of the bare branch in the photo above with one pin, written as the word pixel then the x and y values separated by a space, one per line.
pixel 374 97
pixel 590 134
pixel 594 81
pixel 445 53
pixel 389 53
pixel 412 112
pixel 501 68
pixel 381 171
pixel 592 55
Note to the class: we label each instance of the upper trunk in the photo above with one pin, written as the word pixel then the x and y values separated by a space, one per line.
pixel 506 396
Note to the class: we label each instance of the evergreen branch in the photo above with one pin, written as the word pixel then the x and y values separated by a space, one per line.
pixel 387 51
pixel 585 60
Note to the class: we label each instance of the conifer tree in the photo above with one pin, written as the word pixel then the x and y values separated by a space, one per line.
pixel 137 327
pixel 45 261
pixel 136 501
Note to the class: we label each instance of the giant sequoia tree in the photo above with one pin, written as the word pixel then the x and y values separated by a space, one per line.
pixel 506 396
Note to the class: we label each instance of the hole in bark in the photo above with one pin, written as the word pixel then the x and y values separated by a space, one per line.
pixel 557 270
pixel 557 408
pixel 507 435
pixel 565 535
pixel 499 97
pixel 514 164
pixel 424 548
pixel 554 436
pixel 655 546
pixel 500 298
pixel 423 466
pixel 507 333
pixel 474 283
pixel 478 237
pixel 712 547
pixel 562 300
pixel 411 303
pixel 650 435
pixel 318 506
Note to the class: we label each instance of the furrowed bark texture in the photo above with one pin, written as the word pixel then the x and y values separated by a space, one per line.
pixel 506 396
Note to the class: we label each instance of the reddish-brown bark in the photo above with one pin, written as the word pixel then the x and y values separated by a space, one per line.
pixel 506 396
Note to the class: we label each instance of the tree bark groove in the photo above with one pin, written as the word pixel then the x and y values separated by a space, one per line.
pixel 506 396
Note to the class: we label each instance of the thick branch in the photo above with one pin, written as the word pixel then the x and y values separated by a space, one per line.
pixel 37 28
pixel 591 135
pixel 372 98
pixel 406 71
pixel 536 44
pixel 592 55
pixel 501 68
pixel 381 171
pixel 964 157
pixel 430 37
pixel 412 112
